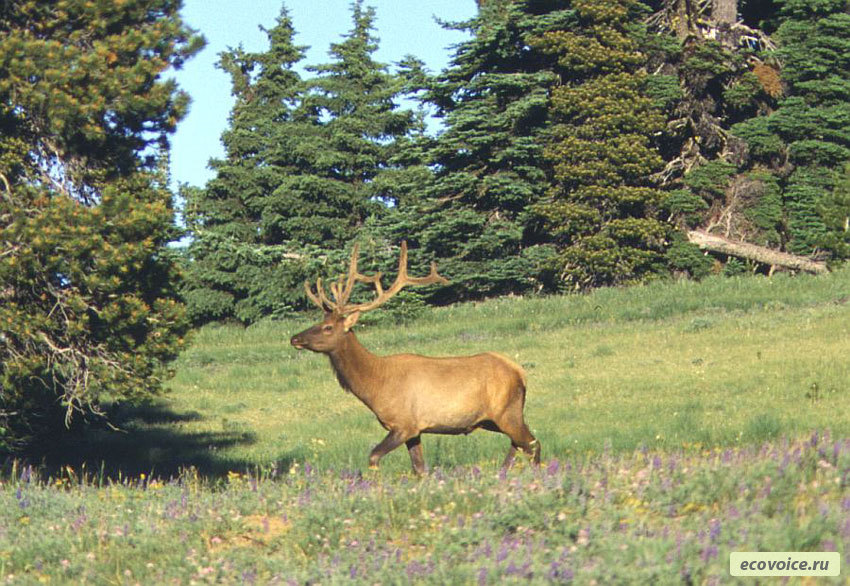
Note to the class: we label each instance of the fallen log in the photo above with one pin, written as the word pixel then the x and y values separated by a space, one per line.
pixel 714 243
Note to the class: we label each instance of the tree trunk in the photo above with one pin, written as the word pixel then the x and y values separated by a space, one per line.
pixel 761 254
pixel 724 12
pixel 683 19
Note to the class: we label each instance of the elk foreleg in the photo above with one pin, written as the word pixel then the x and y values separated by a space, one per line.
pixel 414 448
pixel 393 440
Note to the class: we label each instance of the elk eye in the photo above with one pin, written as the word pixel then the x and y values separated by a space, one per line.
pixel 327 328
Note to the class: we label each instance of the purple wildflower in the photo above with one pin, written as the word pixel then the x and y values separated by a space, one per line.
pixel 81 520
pixel 23 501
pixel 482 576
pixel 714 530
pixel 552 467
pixel 558 573
pixel 845 529
pixel 416 570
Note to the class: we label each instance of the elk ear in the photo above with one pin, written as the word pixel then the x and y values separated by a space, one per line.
pixel 350 320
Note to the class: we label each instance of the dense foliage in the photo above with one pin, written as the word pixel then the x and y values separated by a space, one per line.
pixel 232 269
pixel 808 132
pixel 88 305
pixel 473 211
pixel 603 209
pixel 302 171
pixel 573 145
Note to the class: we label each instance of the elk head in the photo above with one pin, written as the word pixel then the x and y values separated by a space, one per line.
pixel 340 315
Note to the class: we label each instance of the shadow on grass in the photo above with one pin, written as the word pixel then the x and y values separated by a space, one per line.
pixel 150 439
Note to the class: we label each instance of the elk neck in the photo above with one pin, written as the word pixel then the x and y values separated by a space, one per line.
pixel 357 369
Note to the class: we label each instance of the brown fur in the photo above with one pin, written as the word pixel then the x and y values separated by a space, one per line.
pixel 412 394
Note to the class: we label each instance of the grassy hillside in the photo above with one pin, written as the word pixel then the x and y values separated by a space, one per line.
pixel 679 421
pixel 720 363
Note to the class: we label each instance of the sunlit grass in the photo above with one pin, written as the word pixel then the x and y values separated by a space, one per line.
pixel 679 422
pixel 719 363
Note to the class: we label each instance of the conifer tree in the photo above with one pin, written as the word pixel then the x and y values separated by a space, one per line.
pixel 362 127
pixel 302 172
pixel 88 307
pixel 231 272
pixel 603 209
pixel 809 129
pixel 473 214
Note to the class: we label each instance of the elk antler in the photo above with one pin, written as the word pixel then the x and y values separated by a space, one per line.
pixel 342 288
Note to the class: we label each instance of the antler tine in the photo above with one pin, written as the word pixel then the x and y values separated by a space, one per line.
pixel 308 289
pixel 343 290
pixel 402 280
pixel 327 303
pixel 319 298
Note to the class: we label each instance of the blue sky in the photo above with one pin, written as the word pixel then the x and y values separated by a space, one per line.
pixel 403 26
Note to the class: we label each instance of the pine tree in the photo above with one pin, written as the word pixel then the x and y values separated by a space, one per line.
pixel 473 213
pixel 88 305
pixel 603 209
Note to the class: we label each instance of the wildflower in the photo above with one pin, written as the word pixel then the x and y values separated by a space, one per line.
pixel 714 530
pixel 708 553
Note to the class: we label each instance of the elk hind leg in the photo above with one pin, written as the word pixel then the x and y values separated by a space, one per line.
pixel 515 428
pixel 414 447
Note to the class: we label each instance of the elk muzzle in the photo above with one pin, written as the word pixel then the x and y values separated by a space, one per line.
pixel 299 341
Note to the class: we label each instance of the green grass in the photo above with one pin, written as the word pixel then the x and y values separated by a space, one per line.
pixel 721 363
pixel 676 421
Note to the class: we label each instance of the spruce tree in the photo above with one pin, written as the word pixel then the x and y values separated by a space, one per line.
pixel 302 173
pixel 232 269
pixel 603 209
pixel 362 126
pixel 809 130
pixel 88 307
pixel 473 213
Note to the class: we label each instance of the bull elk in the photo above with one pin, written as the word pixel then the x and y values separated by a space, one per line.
pixel 412 394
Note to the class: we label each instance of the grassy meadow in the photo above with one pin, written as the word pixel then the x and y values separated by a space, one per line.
pixel 679 421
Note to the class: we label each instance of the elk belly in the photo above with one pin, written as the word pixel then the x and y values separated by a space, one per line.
pixel 454 415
